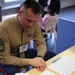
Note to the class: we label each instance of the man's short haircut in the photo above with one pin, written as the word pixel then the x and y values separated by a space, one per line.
pixel 34 5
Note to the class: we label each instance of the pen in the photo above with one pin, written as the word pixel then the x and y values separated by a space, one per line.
pixel 56 60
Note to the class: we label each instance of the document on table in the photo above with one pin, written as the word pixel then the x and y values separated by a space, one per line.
pixel 63 66
pixel 47 73
pixel 21 74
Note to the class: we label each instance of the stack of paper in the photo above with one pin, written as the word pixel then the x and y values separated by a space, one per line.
pixel 63 66
pixel 21 74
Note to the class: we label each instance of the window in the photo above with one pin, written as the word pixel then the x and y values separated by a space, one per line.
pixel 11 3
pixel 10 6
pixel 9 0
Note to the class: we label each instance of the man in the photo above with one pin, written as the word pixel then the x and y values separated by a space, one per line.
pixel 15 34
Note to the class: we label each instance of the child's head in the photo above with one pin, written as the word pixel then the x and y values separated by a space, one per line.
pixel 53 6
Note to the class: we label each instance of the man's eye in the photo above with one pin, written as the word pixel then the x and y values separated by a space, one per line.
pixel 29 20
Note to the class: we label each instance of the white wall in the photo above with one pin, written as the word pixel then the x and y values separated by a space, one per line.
pixel 66 3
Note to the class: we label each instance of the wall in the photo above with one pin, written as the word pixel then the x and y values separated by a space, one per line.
pixel 0 14
pixel 66 3
pixel 13 9
pixel 65 35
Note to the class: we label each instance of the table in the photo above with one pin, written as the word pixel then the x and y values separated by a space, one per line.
pixel 70 52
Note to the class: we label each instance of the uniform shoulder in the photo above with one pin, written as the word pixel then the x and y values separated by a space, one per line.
pixel 5 23
pixel 36 25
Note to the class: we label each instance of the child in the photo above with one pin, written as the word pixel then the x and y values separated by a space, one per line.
pixel 53 9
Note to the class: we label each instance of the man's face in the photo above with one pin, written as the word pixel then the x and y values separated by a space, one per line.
pixel 28 19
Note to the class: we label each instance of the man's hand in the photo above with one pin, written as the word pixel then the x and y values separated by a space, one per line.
pixel 41 68
pixel 38 62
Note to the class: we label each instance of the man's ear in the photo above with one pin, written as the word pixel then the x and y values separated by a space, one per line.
pixel 19 12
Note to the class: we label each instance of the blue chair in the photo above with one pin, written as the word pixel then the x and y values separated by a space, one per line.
pixel 8 70
pixel 2 72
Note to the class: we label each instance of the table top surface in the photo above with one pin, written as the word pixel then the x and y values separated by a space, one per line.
pixel 70 52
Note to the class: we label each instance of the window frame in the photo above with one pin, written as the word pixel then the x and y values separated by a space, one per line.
pixel 11 1
pixel 10 7
pixel 11 4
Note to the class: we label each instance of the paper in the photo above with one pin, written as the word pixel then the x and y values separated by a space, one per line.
pixel 21 74
pixel 63 66
pixel 47 73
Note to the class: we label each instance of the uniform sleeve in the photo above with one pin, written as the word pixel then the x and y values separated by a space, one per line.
pixel 5 56
pixel 40 41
